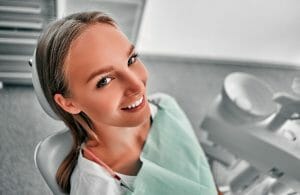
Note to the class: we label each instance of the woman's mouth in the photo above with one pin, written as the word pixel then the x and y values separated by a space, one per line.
pixel 136 105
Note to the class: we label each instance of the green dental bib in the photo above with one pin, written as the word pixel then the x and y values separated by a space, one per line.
pixel 173 161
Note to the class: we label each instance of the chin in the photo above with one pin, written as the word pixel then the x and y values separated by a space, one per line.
pixel 139 119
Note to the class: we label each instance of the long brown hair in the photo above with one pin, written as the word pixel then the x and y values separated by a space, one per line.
pixel 52 49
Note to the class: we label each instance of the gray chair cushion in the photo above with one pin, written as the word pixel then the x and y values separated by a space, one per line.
pixel 49 154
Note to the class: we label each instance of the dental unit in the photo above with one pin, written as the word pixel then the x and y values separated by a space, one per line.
pixel 252 135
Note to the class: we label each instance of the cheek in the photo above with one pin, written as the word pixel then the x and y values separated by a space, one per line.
pixel 100 104
pixel 97 109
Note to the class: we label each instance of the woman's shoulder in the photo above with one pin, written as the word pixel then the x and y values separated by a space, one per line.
pixel 92 178
pixel 161 99
pixel 166 102
pixel 170 105
pixel 87 183
pixel 89 168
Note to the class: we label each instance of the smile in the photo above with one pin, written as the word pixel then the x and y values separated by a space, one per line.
pixel 135 104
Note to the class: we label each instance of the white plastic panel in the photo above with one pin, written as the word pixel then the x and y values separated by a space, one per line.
pixel 251 30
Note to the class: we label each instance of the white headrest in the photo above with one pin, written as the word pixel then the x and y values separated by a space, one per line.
pixel 39 92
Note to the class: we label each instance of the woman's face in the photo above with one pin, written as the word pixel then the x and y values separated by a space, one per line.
pixel 106 79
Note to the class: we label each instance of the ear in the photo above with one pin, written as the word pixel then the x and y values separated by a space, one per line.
pixel 66 103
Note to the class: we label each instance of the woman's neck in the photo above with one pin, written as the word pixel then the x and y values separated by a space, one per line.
pixel 120 148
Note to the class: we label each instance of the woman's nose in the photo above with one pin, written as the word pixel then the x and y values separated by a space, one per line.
pixel 134 85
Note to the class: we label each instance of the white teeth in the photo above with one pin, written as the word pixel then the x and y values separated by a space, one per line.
pixel 135 104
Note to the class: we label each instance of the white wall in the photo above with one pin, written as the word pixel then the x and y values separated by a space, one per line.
pixel 266 31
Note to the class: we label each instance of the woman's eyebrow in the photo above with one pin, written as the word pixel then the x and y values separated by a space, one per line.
pixel 100 71
pixel 132 47
pixel 109 68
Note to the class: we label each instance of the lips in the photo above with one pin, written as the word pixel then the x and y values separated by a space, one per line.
pixel 135 104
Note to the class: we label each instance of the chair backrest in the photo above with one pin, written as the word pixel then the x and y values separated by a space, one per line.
pixel 49 154
pixel 51 151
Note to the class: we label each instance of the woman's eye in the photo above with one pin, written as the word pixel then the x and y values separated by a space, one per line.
pixel 104 81
pixel 132 59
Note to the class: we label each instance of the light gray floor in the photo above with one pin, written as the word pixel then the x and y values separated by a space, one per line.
pixel 23 123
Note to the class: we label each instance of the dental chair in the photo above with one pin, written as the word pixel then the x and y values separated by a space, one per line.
pixel 50 152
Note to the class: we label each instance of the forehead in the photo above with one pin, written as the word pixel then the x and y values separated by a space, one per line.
pixel 97 44
pixel 98 39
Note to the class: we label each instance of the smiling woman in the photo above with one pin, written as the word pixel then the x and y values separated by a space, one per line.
pixel 93 79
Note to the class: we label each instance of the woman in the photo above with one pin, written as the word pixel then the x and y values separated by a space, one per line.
pixel 92 78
